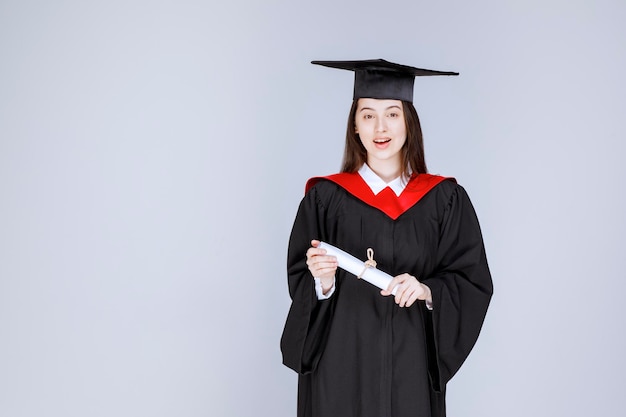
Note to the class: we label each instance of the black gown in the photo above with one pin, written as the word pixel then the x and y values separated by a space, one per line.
pixel 357 353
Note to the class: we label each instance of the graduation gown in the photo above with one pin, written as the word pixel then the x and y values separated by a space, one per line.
pixel 357 353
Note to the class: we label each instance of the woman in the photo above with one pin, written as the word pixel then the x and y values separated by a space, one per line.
pixel 361 352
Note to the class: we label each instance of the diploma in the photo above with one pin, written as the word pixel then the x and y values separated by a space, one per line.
pixel 358 267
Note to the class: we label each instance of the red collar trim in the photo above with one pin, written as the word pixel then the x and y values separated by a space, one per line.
pixel 386 201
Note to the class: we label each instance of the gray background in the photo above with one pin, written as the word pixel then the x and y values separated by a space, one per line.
pixel 153 154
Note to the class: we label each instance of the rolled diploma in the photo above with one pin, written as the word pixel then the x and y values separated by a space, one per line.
pixel 355 266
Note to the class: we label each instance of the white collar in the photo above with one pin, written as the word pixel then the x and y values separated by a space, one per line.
pixel 377 184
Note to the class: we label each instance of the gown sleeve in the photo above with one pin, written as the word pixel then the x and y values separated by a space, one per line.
pixel 461 290
pixel 308 320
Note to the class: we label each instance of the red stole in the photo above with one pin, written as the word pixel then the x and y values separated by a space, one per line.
pixel 386 200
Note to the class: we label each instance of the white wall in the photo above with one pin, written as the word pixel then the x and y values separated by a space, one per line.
pixel 153 153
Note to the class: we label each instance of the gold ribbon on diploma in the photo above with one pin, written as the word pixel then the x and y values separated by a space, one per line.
pixel 370 263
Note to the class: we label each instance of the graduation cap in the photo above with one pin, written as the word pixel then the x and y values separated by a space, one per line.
pixel 377 78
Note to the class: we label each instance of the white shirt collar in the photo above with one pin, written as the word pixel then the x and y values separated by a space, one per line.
pixel 377 184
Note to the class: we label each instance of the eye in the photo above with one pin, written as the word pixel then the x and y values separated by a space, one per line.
pixel 368 116
pixel 394 115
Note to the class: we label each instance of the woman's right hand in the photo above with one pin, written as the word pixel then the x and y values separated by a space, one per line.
pixel 321 265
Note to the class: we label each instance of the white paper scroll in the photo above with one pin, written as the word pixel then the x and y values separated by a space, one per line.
pixel 357 267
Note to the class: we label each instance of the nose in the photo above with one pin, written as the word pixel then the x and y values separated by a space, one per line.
pixel 381 124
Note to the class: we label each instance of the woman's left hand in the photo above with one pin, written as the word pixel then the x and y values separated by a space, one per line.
pixel 409 290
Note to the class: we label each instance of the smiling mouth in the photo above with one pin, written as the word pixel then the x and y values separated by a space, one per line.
pixel 382 140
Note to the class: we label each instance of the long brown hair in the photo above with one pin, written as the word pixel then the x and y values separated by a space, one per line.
pixel 355 155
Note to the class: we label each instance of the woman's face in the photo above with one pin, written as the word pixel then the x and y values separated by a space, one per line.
pixel 381 127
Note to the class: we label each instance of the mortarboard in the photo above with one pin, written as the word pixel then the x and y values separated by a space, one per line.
pixel 377 78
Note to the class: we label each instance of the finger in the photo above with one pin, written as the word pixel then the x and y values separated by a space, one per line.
pixel 324 272
pixel 315 251
pixel 406 296
pixel 316 257
pixel 322 265
pixel 405 290
pixel 315 243
pixel 312 252
pixel 392 285
pixel 408 284
pixel 399 293
pixel 397 280
pixel 417 292
pixel 412 299
pixel 326 265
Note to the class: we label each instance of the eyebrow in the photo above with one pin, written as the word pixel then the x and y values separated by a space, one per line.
pixel 390 107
